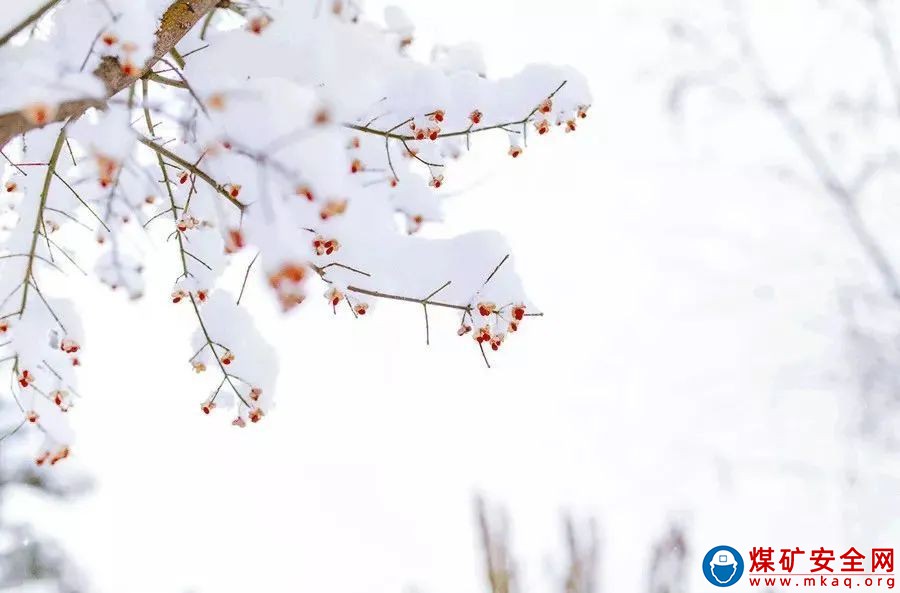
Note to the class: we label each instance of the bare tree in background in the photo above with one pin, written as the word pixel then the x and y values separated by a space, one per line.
pixel 582 546
pixel 584 556
pixel 30 561
pixel 668 570
pixel 494 530
pixel 839 135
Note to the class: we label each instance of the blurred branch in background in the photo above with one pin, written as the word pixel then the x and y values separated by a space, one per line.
pixel 844 190
pixel 584 556
pixel 733 66
pixel 828 74
pixel 582 547
pixel 498 562
pixel 668 570
pixel 29 560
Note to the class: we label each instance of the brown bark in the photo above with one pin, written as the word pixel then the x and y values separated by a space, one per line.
pixel 176 22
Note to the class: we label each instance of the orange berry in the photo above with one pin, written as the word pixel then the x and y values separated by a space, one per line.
pixel 234 241
pixel 258 24
pixel 39 114
pixel 216 102
pixel 69 346
pixel 25 378
pixel 332 208
pixel 129 69
pixel 233 189
pixel 322 117
pixel 486 308
pixel 59 455
pixel 482 335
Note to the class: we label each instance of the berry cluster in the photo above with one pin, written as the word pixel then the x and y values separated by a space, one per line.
pixel 492 323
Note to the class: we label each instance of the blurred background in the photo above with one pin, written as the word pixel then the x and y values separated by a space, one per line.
pixel 719 361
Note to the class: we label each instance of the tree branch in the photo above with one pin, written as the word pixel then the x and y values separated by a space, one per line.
pixel 882 35
pixel 29 269
pixel 178 19
pixel 163 151
pixel 391 135
pixel 32 18
pixel 839 190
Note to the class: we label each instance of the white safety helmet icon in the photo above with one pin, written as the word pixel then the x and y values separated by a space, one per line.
pixel 723 558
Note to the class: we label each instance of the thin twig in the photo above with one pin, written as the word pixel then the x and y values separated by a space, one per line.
pixel 398 297
pixel 346 267
pixel 29 20
pixel 161 150
pixel 45 191
pixel 246 275
pixel 218 360
pixel 502 261
pixel 83 203
pixel 822 167
pixel 166 81
pixel 466 132
pixel 8 160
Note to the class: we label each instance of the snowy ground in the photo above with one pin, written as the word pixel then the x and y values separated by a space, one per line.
pixel 690 366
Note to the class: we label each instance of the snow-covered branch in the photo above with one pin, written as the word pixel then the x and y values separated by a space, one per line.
pixel 115 72
pixel 302 134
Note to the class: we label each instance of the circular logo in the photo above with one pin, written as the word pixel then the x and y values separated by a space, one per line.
pixel 723 566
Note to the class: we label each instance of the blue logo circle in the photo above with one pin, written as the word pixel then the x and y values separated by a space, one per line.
pixel 723 566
